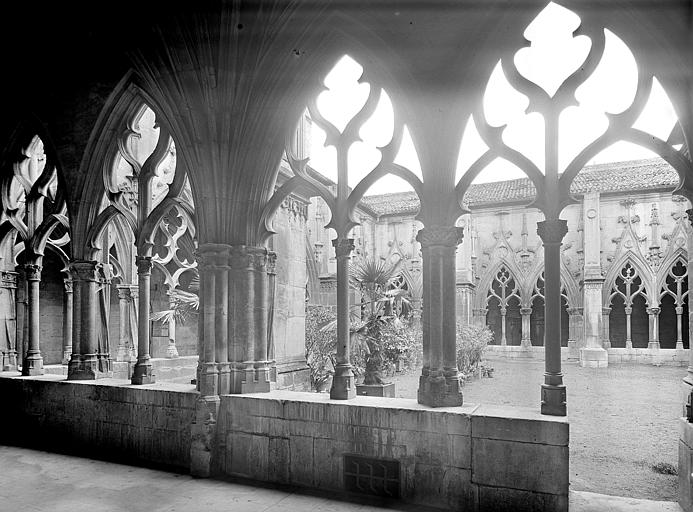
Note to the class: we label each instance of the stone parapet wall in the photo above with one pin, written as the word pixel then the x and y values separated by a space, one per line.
pixel 462 458
pixel 100 419
pixel 658 357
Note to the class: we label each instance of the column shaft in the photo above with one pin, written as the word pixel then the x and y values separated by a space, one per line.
pixel 343 382
pixel 553 394
pixel 526 328
pixel 67 320
pixel 142 372
pixel 653 341
pixel 8 286
pixel 33 361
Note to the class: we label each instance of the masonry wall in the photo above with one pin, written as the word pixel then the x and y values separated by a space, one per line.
pixel 99 419
pixel 493 458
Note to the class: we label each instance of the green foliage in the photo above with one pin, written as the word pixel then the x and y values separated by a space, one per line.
pixel 471 343
pixel 183 306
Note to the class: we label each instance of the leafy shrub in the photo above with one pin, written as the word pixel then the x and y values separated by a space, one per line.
pixel 402 346
pixel 471 344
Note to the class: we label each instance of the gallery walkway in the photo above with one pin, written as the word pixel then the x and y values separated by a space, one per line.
pixel 35 481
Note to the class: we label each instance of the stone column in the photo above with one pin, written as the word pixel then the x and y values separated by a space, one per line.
pixel 439 384
pixel 553 393
pixel 33 361
pixel 343 381
pixel 592 355
pixel 653 341
pixel 142 372
pixel 67 320
pixel 208 372
pixel 171 350
pixel 679 328
pixel 127 294
pixel 503 312
pixel 606 341
pixel 688 380
pixel 8 290
pixel 573 349
pixel 84 363
pixel 465 294
pixel 629 311
pixel 526 341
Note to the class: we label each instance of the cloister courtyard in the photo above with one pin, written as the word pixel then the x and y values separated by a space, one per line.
pixel 623 420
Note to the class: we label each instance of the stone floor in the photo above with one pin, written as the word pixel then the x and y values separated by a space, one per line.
pixel 34 481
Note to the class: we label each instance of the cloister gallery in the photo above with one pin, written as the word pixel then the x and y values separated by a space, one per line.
pixel 163 156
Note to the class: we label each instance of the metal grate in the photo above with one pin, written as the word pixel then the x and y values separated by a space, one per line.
pixel 378 477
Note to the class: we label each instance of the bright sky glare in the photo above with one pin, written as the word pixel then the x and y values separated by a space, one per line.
pixel 554 54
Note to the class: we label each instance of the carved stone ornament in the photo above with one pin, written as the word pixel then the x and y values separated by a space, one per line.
pixel 144 265
pixel 32 272
pixel 446 236
pixel 295 206
pixel 215 256
pixel 552 231
pixel 271 263
pixel 689 212
pixel 83 270
pixel 343 247
pixel 8 279
pixel 67 283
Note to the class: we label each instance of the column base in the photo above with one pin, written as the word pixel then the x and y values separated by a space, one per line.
pixel 33 365
pixel 85 367
pixel 439 391
pixel 606 345
pixel 142 373
pixel 9 361
pixel 679 345
pixel 573 351
pixel 553 398
pixel 343 383
pixel 653 345
pixel 172 351
pixel 594 357
pixel 67 354
pixel 208 379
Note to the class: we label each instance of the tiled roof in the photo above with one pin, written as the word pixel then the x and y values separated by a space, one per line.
pixel 635 175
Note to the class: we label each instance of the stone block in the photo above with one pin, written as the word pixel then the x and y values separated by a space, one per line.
pixel 279 457
pixel 519 465
pixel 249 456
pixel 594 357
pixel 514 424
pixel 493 499
pixel 461 452
pixel 685 480
pixel 439 487
pixel 301 461
pixel 327 468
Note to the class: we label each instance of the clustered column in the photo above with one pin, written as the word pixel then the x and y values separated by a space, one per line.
pixel 343 382
pixel 234 291
pixel 689 377
pixel 127 295
pixel 33 361
pixel 8 287
pixel 142 372
pixel 439 384
pixel 84 363
pixel 553 393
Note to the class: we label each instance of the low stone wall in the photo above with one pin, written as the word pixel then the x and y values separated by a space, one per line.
pixel 685 465
pixel 662 356
pixel 100 419
pixel 463 458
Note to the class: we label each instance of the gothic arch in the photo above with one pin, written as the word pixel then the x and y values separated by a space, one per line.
pixel 643 270
pixel 484 285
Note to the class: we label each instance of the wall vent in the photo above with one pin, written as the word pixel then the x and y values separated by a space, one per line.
pixel 377 477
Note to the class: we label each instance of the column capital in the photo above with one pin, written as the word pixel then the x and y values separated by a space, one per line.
pixel 8 279
pixel 446 236
pixel 144 265
pixel 213 256
pixel 84 270
pixel 606 310
pixel 127 291
pixel 343 247
pixel 67 283
pixel 271 263
pixel 574 311
pixel 552 231
pixel 526 311
pixel 653 311
pixel 32 272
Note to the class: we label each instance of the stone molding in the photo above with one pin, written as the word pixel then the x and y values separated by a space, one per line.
pixel 8 279
pixel 128 292
pixel 552 231
pixel 68 284
pixel 446 236
pixel 343 247
pixel 295 206
pixel 525 311
pixel 236 257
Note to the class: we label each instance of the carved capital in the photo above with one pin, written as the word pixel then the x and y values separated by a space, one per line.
pixel 213 256
pixel 144 265
pixel 83 270
pixel 446 236
pixel 525 311
pixel 8 279
pixel 552 231
pixel 32 272
pixel 653 311
pixel 295 207
pixel 67 283
pixel 689 212
pixel 271 263
pixel 127 292
pixel 343 247
pixel 606 310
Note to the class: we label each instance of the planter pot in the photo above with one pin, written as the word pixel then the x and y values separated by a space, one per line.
pixel 383 390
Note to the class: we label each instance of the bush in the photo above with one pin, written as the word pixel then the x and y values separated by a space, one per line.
pixel 402 346
pixel 471 344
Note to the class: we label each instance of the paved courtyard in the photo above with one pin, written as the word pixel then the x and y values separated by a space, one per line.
pixel 623 420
